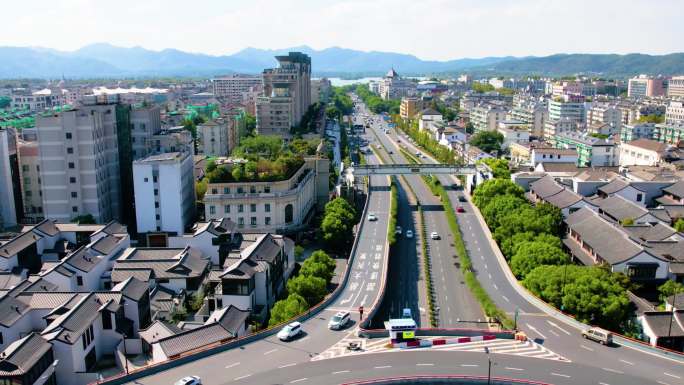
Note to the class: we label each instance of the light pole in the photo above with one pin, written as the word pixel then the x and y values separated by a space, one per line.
pixel 489 366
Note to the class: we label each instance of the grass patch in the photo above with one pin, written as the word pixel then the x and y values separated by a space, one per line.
pixel 427 269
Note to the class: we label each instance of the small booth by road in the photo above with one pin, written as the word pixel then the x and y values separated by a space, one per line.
pixel 401 330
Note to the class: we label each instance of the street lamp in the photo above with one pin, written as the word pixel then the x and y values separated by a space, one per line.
pixel 489 367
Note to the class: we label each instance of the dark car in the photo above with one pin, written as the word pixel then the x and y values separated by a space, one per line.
pixel 461 198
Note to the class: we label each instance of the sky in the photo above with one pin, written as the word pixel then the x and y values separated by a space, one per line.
pixel 429 29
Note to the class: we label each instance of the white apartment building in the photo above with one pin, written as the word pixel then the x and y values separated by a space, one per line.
pixel 675 87
pixel 513 131
pixel 233 87
pixel 393 86
pixel 674 114
pixel 29 175
pixel 429 119
pixel 269 206
pixel 486 117
pixel 164 192
pixel 645 86
pixel 214 139
pixel 36 101
pixel 567 107
pixel 79 163
pixel 145 121
pixel 605 114
pixel 8 215
pixel 642 152
pixel 531 111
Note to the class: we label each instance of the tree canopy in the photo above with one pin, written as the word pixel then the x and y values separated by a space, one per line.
pixel 530 254
pixel 493 187
pixel 319 264
pixel 499 167
pixel 487 141
pixel 338 221
pixel 312 289
pixel 287 308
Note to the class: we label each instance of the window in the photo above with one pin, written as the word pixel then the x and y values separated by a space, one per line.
pixel 154 179
pixel 240 190
pixel 267 189
pixel 253 221
pixel 214 191
pixel 252 208
pixel 106 320
pixel 241 222
pixel 156 192
pixel 252 189
pixel 71 165
pixel 25 167
pixel 70 150
pixel 289 213
pixel 267 207
pixel 68 135
pixel 79 280
pixel 146 180
pixel 2 339
pixel 212 210
pixel 639 197
pixel 74 209
pixel 157 217
pixel 267 221
pixel 226 209
pixel 28 193
pixel 241 208
pixel 74 194
pixel 72 179
pixel 226 190
pixel 156 205
pixel 27 180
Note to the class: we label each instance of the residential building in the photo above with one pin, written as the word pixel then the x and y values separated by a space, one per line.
pixel 320 90
pixel 409 107
pixel 145 122
pixel 564 88
pixel 646 86
pixel 164 189
pixel 28 360
pixel 675 87
pixel 630 132
pixel 174 139
pixel 287 94
pixel 23 99
pixel 513 131
pixel 232 87
pixel 393 86
pixel 642 152
pixel 664 329
pixel 29 174
pixel 673 195
pixel 600 114
pixel 591 151
pixel 547 190
pixel 275 206
pixel 568 107
pixel 8 213
pixel 670 134
pixel 79 163
pixel 214 238
pixel 213 138
pixel 531 111
pixel 486 117
pixel 674 113
pixel 552 155
pixel 429 119
pixel 554 127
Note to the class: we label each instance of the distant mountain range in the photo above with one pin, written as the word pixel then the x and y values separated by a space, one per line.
pixel 105 60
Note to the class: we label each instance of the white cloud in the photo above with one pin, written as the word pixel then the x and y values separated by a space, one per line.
pixel 430 29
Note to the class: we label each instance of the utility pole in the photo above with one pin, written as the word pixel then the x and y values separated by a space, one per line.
pixel 489 367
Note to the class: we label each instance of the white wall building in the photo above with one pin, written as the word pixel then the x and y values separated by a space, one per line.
pixel 642 152
pixel 164 192
pixel 8 215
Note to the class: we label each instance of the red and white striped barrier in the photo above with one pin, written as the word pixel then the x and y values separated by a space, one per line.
pixel 441 341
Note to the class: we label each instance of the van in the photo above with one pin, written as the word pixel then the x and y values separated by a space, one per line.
pixel 406 313
pixel 599 335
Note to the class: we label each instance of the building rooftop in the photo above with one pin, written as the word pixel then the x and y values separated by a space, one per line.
pixel 648 144
pixel 21 355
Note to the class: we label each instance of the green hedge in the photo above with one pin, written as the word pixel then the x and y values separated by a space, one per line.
pixel 426 267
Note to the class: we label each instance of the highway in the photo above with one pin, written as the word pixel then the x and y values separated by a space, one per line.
pixel 539 326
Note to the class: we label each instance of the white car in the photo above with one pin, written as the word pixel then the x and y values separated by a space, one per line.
pixel 434 235
pixel 339 320
pixel 409 234
pixel 372 217
pixel 397 230
pixel 290 331
pixel 189 380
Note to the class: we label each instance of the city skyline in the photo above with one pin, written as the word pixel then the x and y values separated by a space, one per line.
pixel 497 28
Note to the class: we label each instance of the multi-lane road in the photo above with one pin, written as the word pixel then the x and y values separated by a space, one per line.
pixel 271 361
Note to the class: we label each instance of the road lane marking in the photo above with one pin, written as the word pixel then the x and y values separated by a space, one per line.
pixel 425 364
pixel 663 383
pixel 560 375
pixel 536 331
pixel 516 369
pixel 554 333
pixel 671 375
pixel 603 383
pixel 287 366
pixel 505 298
pixel 613 370
pixel 627 362
pixel 271 351
pixel 299 380
pixel 558 327
pixel 490 275
pixel 495 287
pixel 241 377
pixel 383 367
pixel 340 372
pixel 586 348
pixel 469 365
pixel 232 365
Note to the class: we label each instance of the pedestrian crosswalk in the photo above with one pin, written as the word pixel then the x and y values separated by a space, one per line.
pixel 498 346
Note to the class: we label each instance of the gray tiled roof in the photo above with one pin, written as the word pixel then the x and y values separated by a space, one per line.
pixel 545 187
pixel 620 208
pixel 107 244
pixel 19 243
pixel 132 288
pixel 659 232
pixel 122 274
pixel 114 227
pixel 614 186
pixel 194 339
pixel 70 325
pixel 47 227
pixel 610 243
pixel 21 355
pixel 163 262
pixel 563 199
pixel 82 259
pixel 659 323
pixel 676 189
pixel 11 309
pixel 53 300
pixel 233 319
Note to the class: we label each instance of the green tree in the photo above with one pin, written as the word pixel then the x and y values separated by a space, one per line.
pixel 499 167
pixel 551 215
pixel 5 101
pixel 670 288
pixel 679 225
pixel 342 208
pixel 529 255
pixel 499 206
pixel 509 246
pixel 287 308
pixel 652 118
pixel 336 233
pixel 250 125
pixel 487 141
pixel 593 295
pixel 482 87
pixel 319 264
pixel 311 288
pixel 201 189
pixel 493 187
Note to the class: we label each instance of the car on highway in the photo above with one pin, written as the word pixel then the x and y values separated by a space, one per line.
pixel 434 235
pixel 290 331
pixel 397 230
pixel 390 152
pixel 599 335
pixel 339 320
pixel 372 217
pixel 406 313
pixel 460 209
pixel 409 234
pixel 461 198
pixel 189 380
pixel 418 154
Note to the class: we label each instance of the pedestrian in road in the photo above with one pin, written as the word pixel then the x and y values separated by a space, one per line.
pixel 360 313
